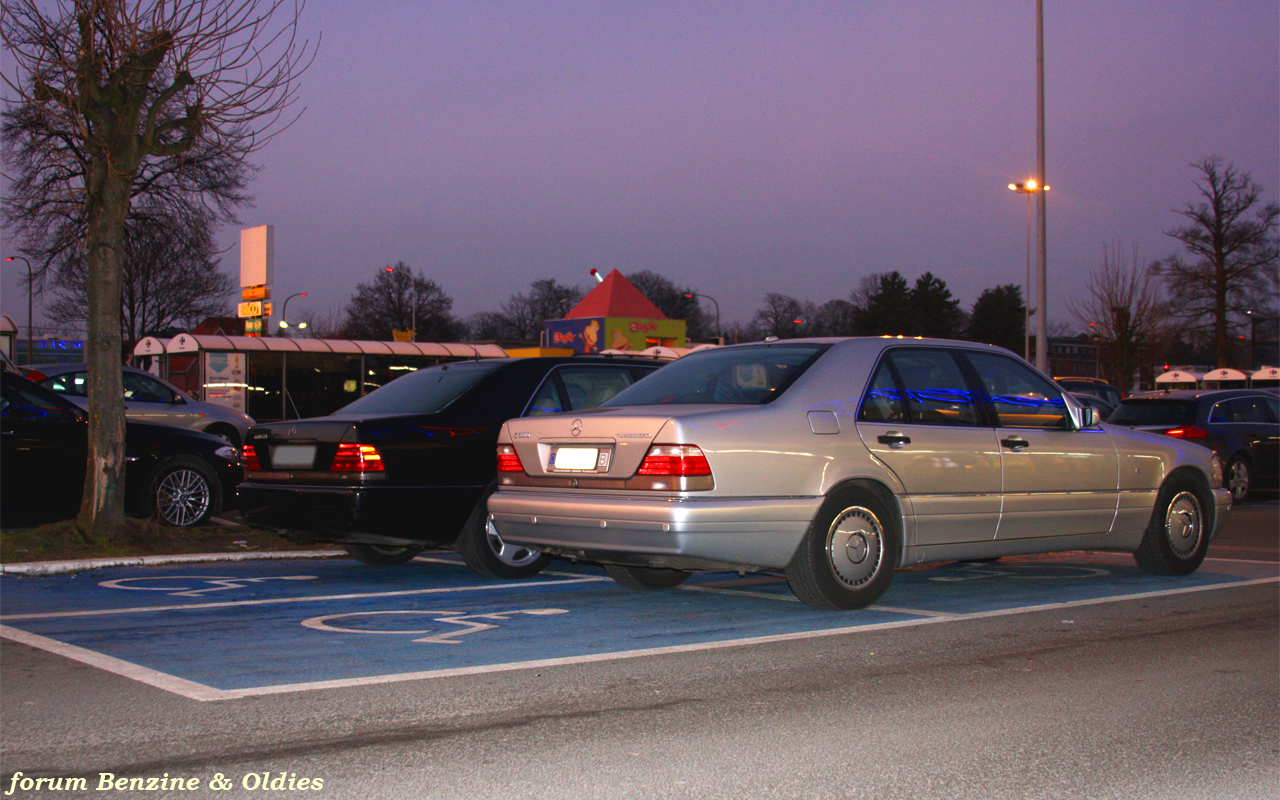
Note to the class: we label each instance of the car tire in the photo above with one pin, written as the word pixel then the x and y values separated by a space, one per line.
pixel 1177 538
pixel 484 551
pixel 848 555
pixel 382 555
pixel 1239 478
pixel 646 579
pixel 226 433
pixel 184 491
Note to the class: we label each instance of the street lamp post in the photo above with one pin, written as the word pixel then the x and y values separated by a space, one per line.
pixel 284 314
pixel 1029 188
pixel 30 294
pixel 719 336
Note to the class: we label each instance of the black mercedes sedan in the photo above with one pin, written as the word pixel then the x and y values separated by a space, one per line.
pixel 179 476
pixel 410 465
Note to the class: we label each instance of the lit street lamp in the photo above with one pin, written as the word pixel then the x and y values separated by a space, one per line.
pixel 719 337
pixel 284 314
pixel 30 293
pixel 1029 188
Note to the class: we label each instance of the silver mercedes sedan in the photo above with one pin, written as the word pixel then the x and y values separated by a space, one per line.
pixel 841 460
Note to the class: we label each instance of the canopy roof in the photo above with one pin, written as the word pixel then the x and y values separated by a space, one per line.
pixel 1179 376
pixel 1225 374
pixel 191 343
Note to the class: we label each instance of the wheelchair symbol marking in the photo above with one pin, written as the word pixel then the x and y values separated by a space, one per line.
pixel 215 584
pixel 469 623
pixel 977 572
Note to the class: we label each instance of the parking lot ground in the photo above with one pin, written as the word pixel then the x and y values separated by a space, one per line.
pixel 222 631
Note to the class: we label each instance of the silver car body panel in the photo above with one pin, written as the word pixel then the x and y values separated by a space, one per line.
pixel 961 493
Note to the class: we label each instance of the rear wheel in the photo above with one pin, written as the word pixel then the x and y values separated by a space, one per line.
pixel 1239 478
pixel 846 559
pixel 485 552
pixel 646 579
pixel 382 555
pixel 1177 538
pixel 184 492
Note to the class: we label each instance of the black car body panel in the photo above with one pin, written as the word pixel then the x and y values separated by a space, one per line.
pixel 46 448
pixel 436 463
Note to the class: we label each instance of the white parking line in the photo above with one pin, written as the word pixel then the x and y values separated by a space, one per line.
pixel 200 692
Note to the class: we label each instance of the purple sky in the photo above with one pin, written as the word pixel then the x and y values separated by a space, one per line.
pixel 749 147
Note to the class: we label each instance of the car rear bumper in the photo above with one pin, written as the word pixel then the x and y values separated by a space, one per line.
pixel 431 515
pixel 666 531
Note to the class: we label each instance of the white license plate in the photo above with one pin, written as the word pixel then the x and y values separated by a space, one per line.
pixel 293 455
pixel 575 458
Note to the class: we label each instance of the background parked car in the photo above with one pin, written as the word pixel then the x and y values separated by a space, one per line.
pixel 179 476
pixel 1093 386
pixel 148 399
pixel 410 465
pixel 1093 401
pixel 1241 425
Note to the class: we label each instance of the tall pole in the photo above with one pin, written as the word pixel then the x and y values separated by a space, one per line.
pixel 1026 303
pixel 719 336
pixel 1042 295
pixel 30 294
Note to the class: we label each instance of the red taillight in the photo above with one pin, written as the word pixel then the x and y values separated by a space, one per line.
pixel 356 458
pixel 249 457
pixel 508 461
pixel 1187 432
pixel 674 459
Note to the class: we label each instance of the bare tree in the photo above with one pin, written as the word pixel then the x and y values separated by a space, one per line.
pixel 1234 250
pixel 398 300
pixel 780 316
pixel 117 86
pixel 1123 312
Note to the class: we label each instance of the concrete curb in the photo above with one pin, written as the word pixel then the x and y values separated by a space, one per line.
pixel 46 568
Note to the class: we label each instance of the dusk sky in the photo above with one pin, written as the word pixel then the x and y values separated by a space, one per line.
pixel 742 148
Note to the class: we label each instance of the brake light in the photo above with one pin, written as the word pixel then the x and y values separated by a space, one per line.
pixel 508 460
pixel 357 458
pixel 249 457
pixel 1187 432
pixel 674 459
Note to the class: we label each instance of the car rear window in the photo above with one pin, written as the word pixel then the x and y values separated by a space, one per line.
pixel 1153 412
pixel 734 375
pixel 425 391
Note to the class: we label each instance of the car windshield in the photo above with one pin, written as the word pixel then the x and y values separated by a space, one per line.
pixel 425 391
pixel 746 375
pixel 1153 412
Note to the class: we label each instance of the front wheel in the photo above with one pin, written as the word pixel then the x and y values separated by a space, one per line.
pixel 487 554
pixel 847 557
pixel 382 555
pixel 646 579
pixel 1176 539
pixel 184 492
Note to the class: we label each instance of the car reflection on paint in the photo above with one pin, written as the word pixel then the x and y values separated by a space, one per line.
pixel 838 461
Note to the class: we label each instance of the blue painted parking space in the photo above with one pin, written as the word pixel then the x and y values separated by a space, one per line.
pixel 225 630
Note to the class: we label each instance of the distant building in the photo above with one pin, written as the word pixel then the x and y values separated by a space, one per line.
pixel 613 316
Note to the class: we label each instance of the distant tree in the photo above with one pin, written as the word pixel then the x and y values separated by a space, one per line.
pixel 832 318
pixel 777 317
pixel 933 311
pixel 999 318
pixel 674 303
pixel 171 278
pixel 1123 313
pixel 883 306
pixel 398 300
pixel 1233 247
pixel 525 313
pixel 488 326
pixel 112 91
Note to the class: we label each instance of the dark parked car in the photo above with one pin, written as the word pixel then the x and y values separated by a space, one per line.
pixel 1093 386
pixel 1241 425
pixel 410 465
pixel 179 476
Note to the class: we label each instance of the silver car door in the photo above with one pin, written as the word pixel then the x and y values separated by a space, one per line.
pixel 921 419
pixel 1057 480
pixel 148 400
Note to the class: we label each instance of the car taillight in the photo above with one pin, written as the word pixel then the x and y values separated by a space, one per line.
pixel 356 458
pixel 674 459
pixel 508 460
pixel 1187 432
pixel 249 458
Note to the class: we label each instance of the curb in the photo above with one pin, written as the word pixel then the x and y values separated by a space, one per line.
pixel 46 568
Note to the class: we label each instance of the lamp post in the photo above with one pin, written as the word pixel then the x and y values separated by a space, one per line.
pixel 284 314
pixel 1029 188
pixel 30 293
pixel 719 337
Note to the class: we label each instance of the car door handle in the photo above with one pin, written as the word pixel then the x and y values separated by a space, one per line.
pixel 1015 444
pixel 893 439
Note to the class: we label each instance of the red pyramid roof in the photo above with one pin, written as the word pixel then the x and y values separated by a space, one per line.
pixel 615 297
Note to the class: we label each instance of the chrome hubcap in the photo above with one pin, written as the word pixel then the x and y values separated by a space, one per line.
pixel 1183 524
pixel 1238 480
pixel 855 546
pixel 511 555
pixel 183 497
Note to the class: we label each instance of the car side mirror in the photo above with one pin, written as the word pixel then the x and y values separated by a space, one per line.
pixel 1089 417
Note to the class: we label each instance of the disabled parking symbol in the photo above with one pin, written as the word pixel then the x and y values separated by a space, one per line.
pixel 467 623
pixel 191 585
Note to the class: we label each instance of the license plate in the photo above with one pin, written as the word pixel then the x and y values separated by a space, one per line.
pixel 293 455
pixel 576 459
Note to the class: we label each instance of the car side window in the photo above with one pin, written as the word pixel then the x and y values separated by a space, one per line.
pixel 585 387
pixel 72 383
pixel 1273 406
pixel 1021 396
pixel 145 389
pixel 883 402
pixel 934 388
pixel 1248 409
